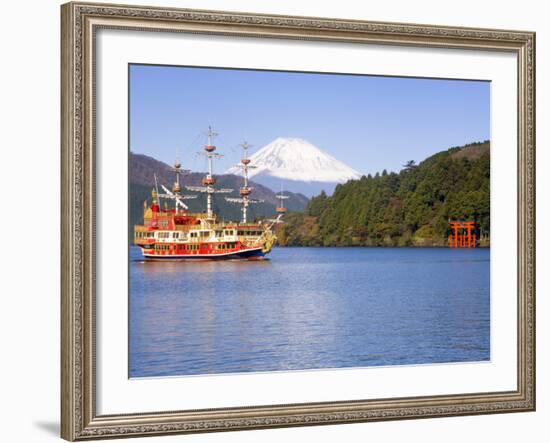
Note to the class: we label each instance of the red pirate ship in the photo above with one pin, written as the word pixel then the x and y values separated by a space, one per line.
pixel 177 234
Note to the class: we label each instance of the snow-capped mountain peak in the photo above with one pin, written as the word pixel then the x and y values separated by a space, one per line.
pixel 298 160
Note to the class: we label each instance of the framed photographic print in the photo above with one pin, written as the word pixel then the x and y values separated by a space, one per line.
pixel 283 221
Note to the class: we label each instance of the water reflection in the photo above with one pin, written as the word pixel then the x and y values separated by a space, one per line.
pixel 309 308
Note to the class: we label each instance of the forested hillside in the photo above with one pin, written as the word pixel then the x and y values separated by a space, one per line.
pixel 411 207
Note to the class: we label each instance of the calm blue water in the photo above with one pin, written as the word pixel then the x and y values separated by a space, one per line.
pixel 309 308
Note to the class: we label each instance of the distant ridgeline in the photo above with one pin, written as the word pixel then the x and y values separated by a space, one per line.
pixel 141 177
pixel 411 207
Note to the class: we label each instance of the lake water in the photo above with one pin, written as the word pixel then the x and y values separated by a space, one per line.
pixel 309 308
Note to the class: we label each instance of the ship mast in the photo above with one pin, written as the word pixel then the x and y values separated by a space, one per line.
pixel 245 190
pixel 281 210
pixel 176 194
pixel 209 181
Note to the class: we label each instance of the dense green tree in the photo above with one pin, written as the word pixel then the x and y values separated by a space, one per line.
pixel 409 207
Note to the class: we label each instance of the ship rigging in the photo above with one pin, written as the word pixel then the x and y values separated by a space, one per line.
pixel 178 234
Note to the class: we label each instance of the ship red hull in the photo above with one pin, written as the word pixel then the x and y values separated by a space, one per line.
pixel 241 254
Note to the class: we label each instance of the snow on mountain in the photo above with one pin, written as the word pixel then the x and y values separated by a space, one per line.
pixel 298 160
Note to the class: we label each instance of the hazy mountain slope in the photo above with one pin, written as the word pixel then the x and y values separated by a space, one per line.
pixel 142 168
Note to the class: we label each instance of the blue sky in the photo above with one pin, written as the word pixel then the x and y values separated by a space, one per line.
pixel 369 122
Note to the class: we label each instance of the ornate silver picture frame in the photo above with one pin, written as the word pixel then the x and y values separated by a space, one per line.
pixel 80 23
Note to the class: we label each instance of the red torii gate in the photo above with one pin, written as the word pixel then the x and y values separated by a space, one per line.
pixel 463 234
